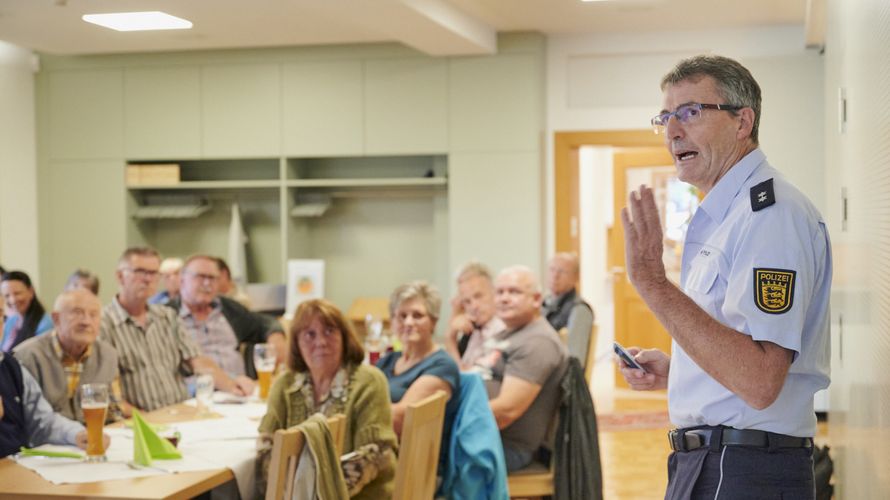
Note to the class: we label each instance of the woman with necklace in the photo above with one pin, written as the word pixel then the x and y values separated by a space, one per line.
pixel 422 368
pixel 326 375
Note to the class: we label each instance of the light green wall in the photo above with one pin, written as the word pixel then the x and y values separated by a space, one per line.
pixel 485 115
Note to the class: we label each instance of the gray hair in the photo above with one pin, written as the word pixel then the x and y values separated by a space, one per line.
pixel 734 82
pixel 69 295
pixel 416 290
pixel 474 269
pixel 525 271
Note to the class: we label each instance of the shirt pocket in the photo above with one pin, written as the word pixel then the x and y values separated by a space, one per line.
pixel 703 283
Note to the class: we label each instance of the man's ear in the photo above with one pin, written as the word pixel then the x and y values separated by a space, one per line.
pixel 746 123
pixel 56 317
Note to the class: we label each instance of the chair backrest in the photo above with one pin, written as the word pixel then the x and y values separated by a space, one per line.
pixel 287 445
pixel 419 449
pixel 591 356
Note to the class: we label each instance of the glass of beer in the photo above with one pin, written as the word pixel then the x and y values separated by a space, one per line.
pixel 94 403
pixel 264 357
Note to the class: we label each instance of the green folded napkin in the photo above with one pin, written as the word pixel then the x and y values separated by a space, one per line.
pixel 147 445
pixel 32 452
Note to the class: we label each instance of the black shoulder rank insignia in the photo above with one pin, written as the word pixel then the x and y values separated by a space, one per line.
pixel 774 289
pixel 762 195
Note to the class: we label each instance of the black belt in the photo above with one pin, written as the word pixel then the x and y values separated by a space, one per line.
pixel 697 437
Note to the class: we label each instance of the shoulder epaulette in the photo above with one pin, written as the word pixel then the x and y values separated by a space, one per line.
pixel 762 195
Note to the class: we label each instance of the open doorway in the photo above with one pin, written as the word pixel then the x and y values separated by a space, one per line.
pixel 594 171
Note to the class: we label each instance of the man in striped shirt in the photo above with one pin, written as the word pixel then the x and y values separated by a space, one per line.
pixel 154 352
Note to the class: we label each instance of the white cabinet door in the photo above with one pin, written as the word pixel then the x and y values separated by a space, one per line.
pixel 322 106
pixel 162 112
pixel 86 118
pixel 406 106
pixel 241 110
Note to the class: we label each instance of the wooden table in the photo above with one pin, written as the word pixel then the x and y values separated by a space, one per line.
pixel 20 482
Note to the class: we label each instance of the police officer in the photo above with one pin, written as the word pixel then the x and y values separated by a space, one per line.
pixel 750 324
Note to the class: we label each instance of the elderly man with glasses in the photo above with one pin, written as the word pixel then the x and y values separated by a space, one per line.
pixel 750 319
pixel 154 351
pixel 224 330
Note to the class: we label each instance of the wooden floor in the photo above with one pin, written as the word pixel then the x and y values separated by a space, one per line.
pixel 634 461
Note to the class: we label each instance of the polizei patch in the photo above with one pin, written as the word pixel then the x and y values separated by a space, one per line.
pixel 774 289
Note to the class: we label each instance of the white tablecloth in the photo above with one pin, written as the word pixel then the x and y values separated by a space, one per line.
pixel 228 442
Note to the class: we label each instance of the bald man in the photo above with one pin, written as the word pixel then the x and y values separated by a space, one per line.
pixel 564 308
pixel 522 367
pixel 72 355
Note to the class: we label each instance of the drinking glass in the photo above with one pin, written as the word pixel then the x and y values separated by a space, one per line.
pixel 204 392
pixel 94 403
pixel 264 357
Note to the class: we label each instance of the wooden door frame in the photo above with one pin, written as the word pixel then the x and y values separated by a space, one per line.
pixel 565 174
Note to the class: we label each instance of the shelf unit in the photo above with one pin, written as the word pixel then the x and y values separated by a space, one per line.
pixel 365 198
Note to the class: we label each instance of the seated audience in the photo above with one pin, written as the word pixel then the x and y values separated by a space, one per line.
pixel 564 308
pixel 228 287
pixel 224 330
pixel 154 351
pixel 26 419
pixel 522 368
pixel 72 355
pixel 25 315
pixel 422 368
pixel 81 278
pixel 326 375
pixel 171 273
pixel 473 320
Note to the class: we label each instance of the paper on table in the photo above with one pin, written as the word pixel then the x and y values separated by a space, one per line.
pixel 205 445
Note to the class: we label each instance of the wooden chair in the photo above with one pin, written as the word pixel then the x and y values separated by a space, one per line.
pixel 419 449
pixel 287 445
pixel 535 480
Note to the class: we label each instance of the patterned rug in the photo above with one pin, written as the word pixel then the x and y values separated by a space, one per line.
pixel 631 421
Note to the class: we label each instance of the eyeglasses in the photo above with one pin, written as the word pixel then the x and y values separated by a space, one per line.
pixel 204 277
pixel 140 272
pixel 309 335
pixel 687 113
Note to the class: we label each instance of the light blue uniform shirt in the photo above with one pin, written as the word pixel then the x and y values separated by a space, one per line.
pixel 785 303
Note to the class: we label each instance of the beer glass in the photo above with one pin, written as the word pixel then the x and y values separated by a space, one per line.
pixel 264 357
pixel 204 393
pixel 94 403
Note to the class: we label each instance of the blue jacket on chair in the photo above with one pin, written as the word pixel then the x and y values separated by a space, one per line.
pixel 476 468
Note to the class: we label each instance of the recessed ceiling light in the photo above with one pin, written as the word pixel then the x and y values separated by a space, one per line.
pixel 138 21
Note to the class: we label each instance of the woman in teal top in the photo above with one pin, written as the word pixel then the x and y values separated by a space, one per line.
pixel 422 368
pixel 26 316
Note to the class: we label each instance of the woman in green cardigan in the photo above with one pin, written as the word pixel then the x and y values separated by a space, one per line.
pixel 326 375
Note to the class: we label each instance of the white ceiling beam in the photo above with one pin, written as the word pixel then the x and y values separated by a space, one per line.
pixel 434 27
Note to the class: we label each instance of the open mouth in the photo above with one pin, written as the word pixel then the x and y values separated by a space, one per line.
pixel 686 155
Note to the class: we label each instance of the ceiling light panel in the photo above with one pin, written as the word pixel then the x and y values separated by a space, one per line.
pixel 138 21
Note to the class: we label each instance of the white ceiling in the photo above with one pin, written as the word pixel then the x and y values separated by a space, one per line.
pixel 436 27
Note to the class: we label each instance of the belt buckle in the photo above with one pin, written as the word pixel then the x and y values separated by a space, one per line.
pixel 675 437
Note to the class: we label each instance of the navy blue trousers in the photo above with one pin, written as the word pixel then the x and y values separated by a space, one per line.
pixel 747 473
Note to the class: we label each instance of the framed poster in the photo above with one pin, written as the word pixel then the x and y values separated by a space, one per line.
pixel 305 281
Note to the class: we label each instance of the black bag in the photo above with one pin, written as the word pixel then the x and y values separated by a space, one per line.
pixel 823 467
